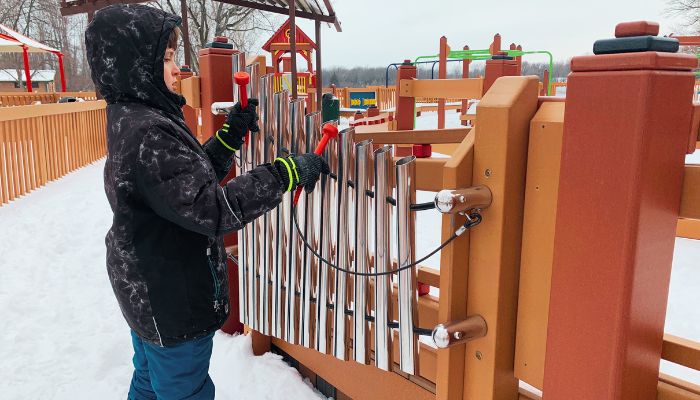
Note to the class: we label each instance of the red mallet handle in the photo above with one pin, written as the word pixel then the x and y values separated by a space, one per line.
pixel 242 79
pixel 329 132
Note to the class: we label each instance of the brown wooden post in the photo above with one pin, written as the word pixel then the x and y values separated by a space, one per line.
pixel 319 71
pixel 216 83
pixel 442 74
pixel 405 106
pixel 465 75
pixel 189 113
pixel 618 204
pixel 293 46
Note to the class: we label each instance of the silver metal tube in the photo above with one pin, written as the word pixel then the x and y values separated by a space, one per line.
pixel 237 65
pixel 281 102
pixel 222 107
pixel 382 258
pixel 408 297
pixel 243 234
pixel 461 200
pixel 251 250
pixel 326 243
pixel 346 159
pixel 361 346
pixel 306 284
pixel 297 139
pixel 254 86
pixel 264 149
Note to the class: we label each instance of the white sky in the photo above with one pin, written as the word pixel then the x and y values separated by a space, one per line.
pixel 379 32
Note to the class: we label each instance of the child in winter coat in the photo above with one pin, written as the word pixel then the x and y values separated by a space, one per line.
pixel 165 254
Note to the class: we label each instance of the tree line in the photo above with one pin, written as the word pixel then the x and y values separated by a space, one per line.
pixel 380 76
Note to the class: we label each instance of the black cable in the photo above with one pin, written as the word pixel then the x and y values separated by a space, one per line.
pixel 423 206
pixel 473 220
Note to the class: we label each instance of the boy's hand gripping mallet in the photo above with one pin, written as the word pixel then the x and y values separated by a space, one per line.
pixel 242 79
pixel 329 132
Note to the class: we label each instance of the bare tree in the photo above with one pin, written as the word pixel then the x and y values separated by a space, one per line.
pixel 689 13
pixel 42 20
pixel 245 27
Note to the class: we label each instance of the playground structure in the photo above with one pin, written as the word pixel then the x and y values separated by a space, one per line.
pixel 569 230
pixel 503 315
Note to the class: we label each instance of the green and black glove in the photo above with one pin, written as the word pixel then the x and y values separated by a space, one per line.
pixel 301 170
pixel 238 122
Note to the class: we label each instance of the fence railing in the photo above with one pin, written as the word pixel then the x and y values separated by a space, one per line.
pixel 23 99
pixel 41 143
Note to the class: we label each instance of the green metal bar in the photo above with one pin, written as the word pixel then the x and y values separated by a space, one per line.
pixel 517 53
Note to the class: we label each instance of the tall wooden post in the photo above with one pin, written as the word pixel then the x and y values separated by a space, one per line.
pixel 319 71
pixel 216 82
pixel 405 106
pixel 442 74
pixel 625 137
pixel 465 75
pixel 293 46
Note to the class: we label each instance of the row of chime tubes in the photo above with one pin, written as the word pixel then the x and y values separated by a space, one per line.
pixel 333 218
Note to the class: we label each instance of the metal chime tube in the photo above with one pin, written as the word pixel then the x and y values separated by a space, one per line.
pixel 281 103
pixel 266 155
pixel 250 159
pixel 346 143
pixel 296 142
pixel 306 284
pixel 408 297
pixel 361 262
pixel 382 257
pixel 326 243
pixel 236 62
pixel 241 168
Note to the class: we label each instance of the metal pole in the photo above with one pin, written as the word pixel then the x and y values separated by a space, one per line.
pixel 360 338
pixel 293 45
pixel 306 284
pixel 346 143
pixel 281 129
pixel 326 244
pixel 382 258
pixel 408 297
pixel 297 140
pixel 319 71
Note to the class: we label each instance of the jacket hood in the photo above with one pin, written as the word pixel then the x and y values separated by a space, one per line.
pixel 125 48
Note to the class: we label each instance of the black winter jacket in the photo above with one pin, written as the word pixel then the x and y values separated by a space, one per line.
pixel 165 255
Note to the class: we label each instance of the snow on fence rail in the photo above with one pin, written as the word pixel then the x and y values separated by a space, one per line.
pixel 23 99
pixel 41 143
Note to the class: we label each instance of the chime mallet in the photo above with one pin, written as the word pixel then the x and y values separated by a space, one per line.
pixel 329 132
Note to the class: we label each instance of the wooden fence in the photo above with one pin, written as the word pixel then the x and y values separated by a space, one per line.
pixel 41 143
pixel 23 99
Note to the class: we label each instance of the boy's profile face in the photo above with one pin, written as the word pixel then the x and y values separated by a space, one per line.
pixel 170 69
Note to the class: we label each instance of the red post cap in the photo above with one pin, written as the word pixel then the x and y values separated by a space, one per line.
pixel 636 28
pixel 185 66
pixel 221 39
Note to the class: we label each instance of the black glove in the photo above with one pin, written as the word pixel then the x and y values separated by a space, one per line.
pixel 238 122
pixel 303 169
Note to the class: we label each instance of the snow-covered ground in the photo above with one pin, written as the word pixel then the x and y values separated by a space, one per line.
pixel 62 335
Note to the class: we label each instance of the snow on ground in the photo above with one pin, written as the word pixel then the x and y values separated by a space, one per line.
pixel 63 336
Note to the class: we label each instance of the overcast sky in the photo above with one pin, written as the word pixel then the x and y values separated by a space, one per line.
pixel 379 32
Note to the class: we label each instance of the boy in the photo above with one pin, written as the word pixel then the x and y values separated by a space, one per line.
pixel 165 255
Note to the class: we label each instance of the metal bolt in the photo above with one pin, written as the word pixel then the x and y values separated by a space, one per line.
pixel 487 173
pixel 458 335
pixel 479 356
